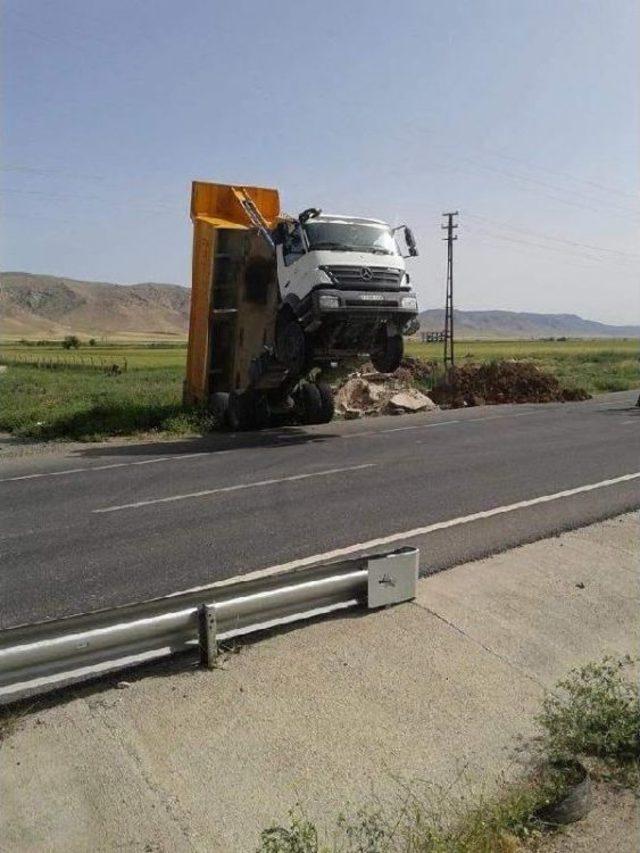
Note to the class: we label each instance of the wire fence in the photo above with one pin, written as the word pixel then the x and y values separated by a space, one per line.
pixel 432 337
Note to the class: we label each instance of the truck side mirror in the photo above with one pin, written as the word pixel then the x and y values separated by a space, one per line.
pixel 410 241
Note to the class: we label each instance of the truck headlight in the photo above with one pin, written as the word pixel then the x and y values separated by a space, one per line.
pixel 328 301
pixel 410 303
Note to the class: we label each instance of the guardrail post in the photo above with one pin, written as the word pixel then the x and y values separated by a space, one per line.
pixel 392 578
pixel 208 642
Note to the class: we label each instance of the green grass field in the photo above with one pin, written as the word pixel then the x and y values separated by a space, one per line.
pixel 81 400
pixel 137 356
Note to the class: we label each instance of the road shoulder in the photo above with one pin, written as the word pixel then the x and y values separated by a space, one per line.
pixel 443 689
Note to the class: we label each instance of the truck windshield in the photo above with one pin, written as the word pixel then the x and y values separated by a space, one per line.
pixel 351 237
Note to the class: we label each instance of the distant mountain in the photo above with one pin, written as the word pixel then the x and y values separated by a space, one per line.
pixel 49 306
pixel 514 324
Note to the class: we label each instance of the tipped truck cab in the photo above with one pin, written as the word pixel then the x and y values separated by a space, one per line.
pixel 344 285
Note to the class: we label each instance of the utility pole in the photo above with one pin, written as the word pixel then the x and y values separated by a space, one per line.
pixel 450 227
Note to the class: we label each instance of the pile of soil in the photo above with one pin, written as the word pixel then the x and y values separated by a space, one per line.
pixel 502 382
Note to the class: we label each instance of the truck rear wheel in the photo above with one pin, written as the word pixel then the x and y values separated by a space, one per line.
pixel 261 413
pixel 388 352
pixel 309 403
pixel 315 403
pixel 219 404
pixel 240 411
pixel 327 404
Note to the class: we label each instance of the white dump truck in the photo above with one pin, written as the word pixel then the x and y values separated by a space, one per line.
pixel 344 290
pixel 276 296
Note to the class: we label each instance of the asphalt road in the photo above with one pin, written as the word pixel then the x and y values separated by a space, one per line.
pixel 104 525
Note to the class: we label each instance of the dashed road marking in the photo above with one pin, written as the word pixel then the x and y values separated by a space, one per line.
pixel 235 488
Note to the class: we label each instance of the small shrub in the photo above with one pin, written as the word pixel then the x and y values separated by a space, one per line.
pixel 71 342
pixel 301 836
pixel 596 714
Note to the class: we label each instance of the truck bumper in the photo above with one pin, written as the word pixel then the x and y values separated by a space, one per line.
pixel 367 309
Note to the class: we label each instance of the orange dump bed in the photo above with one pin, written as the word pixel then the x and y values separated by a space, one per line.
pixel 221 205
pixel 234 292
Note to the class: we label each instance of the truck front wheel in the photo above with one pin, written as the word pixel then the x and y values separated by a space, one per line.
pixel 387 354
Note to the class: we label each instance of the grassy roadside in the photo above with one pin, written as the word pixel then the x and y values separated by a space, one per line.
pixel 591 717
pixel 83 399
pixel 91 405
pixel 597 365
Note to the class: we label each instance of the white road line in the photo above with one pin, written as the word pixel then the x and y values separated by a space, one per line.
pixel 416 531
pixel 421 426
pixel 236 488
pixel 91 468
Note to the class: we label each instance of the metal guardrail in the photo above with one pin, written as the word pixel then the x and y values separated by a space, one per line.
pixel 48 655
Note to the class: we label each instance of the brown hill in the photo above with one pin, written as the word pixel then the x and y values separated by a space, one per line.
pixel 48 306
pixel 518 325
pixel 51 307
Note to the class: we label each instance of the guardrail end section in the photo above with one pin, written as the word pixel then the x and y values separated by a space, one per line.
pixel 207 631
pixel 392 577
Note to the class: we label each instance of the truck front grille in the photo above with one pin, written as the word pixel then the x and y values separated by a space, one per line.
pixel 371 303
pixel 364 278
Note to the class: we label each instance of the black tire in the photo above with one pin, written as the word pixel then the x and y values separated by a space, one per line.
pixel 219 403
pixel 240 411
pixel 387 355
pixel 261 413
pixel 291 346
pixel 327 405
pixel 309 403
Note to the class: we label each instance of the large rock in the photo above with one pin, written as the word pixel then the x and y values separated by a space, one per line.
pixel 411 400
pixel 359 397
pixel 379 393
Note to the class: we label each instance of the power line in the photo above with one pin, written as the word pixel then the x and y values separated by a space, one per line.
pixel 552 237
pixel 482 230
pixel 566 175
pixel 154 206
pixel 585 203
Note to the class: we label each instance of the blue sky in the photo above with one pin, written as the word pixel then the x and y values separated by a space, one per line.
pixel 522 114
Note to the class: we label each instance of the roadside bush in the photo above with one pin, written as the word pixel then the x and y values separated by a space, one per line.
pixel 71 342
pixel 595 712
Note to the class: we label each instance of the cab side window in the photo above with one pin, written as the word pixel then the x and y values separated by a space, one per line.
pixel 293 245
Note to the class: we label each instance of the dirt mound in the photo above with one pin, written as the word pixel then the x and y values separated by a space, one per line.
pixel 502 382
pixel 373 393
